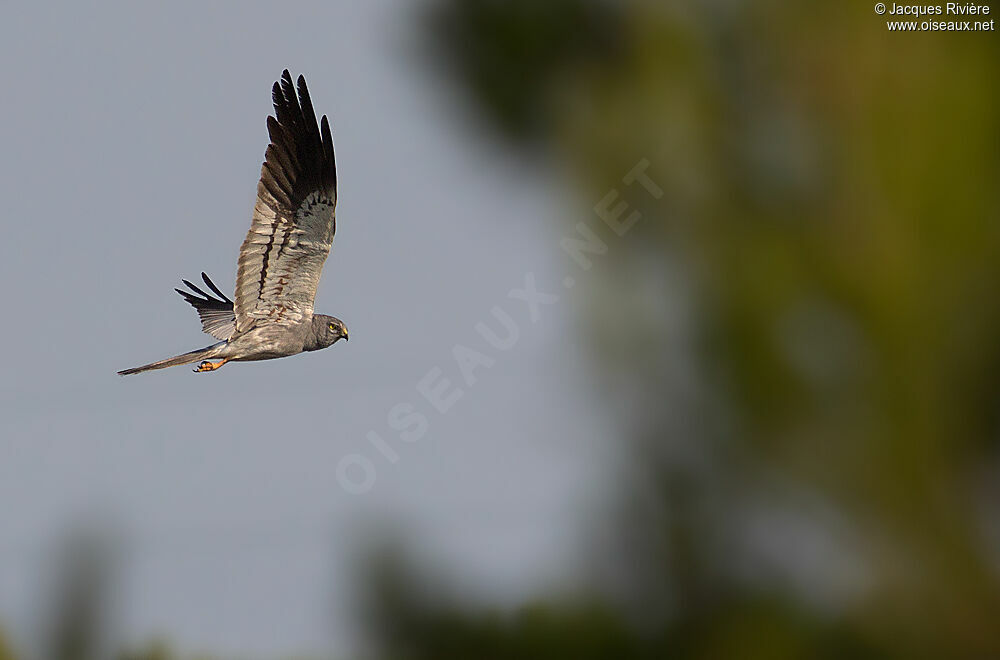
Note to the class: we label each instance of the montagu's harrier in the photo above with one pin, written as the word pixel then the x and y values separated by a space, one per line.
pixel 282 257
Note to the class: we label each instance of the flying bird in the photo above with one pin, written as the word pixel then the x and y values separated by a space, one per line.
pixel 282 257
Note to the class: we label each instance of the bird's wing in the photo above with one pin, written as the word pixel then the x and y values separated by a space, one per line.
pixel 293 220
pixel 217 316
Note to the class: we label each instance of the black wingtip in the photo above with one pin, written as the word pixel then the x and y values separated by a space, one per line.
pixel 215 289
pixel 187 294
pixel 329 159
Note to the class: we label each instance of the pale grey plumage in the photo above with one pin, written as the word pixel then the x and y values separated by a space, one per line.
pixel 282 257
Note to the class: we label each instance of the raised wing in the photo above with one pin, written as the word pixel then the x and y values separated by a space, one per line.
pixel 217 316
pixel 293 220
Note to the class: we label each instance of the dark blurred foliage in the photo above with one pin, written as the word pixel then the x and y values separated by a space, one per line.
pixel 157 650
pixel 801 339
pixel 510 54
pixel 75 627
pixel 5 652
pixel 412 620
pixel 404 608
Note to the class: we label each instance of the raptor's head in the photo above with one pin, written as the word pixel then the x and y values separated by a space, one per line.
pixel 326 331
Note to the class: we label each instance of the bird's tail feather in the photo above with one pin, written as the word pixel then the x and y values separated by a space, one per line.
pixel 186 358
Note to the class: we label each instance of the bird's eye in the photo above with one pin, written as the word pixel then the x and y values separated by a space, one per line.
pixel 333 327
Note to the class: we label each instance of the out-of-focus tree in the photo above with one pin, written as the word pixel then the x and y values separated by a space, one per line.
pixel 801 338
pixel 5 652
pixel 155 650
pixel 75 627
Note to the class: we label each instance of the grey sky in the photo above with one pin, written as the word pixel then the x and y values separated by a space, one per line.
pixel 133 142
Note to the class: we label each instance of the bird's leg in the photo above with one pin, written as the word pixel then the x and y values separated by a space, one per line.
pixel 210 366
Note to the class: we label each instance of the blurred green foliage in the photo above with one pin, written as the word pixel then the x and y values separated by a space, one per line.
pixel 5 652
pixel 156 650
pixel 510 54
pixel 806 325
pixel 75 624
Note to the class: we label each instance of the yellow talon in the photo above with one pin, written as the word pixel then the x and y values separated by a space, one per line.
pixel 209 366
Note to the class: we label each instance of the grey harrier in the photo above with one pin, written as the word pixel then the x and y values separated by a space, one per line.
pixel 282 257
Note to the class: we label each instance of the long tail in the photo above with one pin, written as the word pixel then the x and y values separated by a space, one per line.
pixel 186 358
